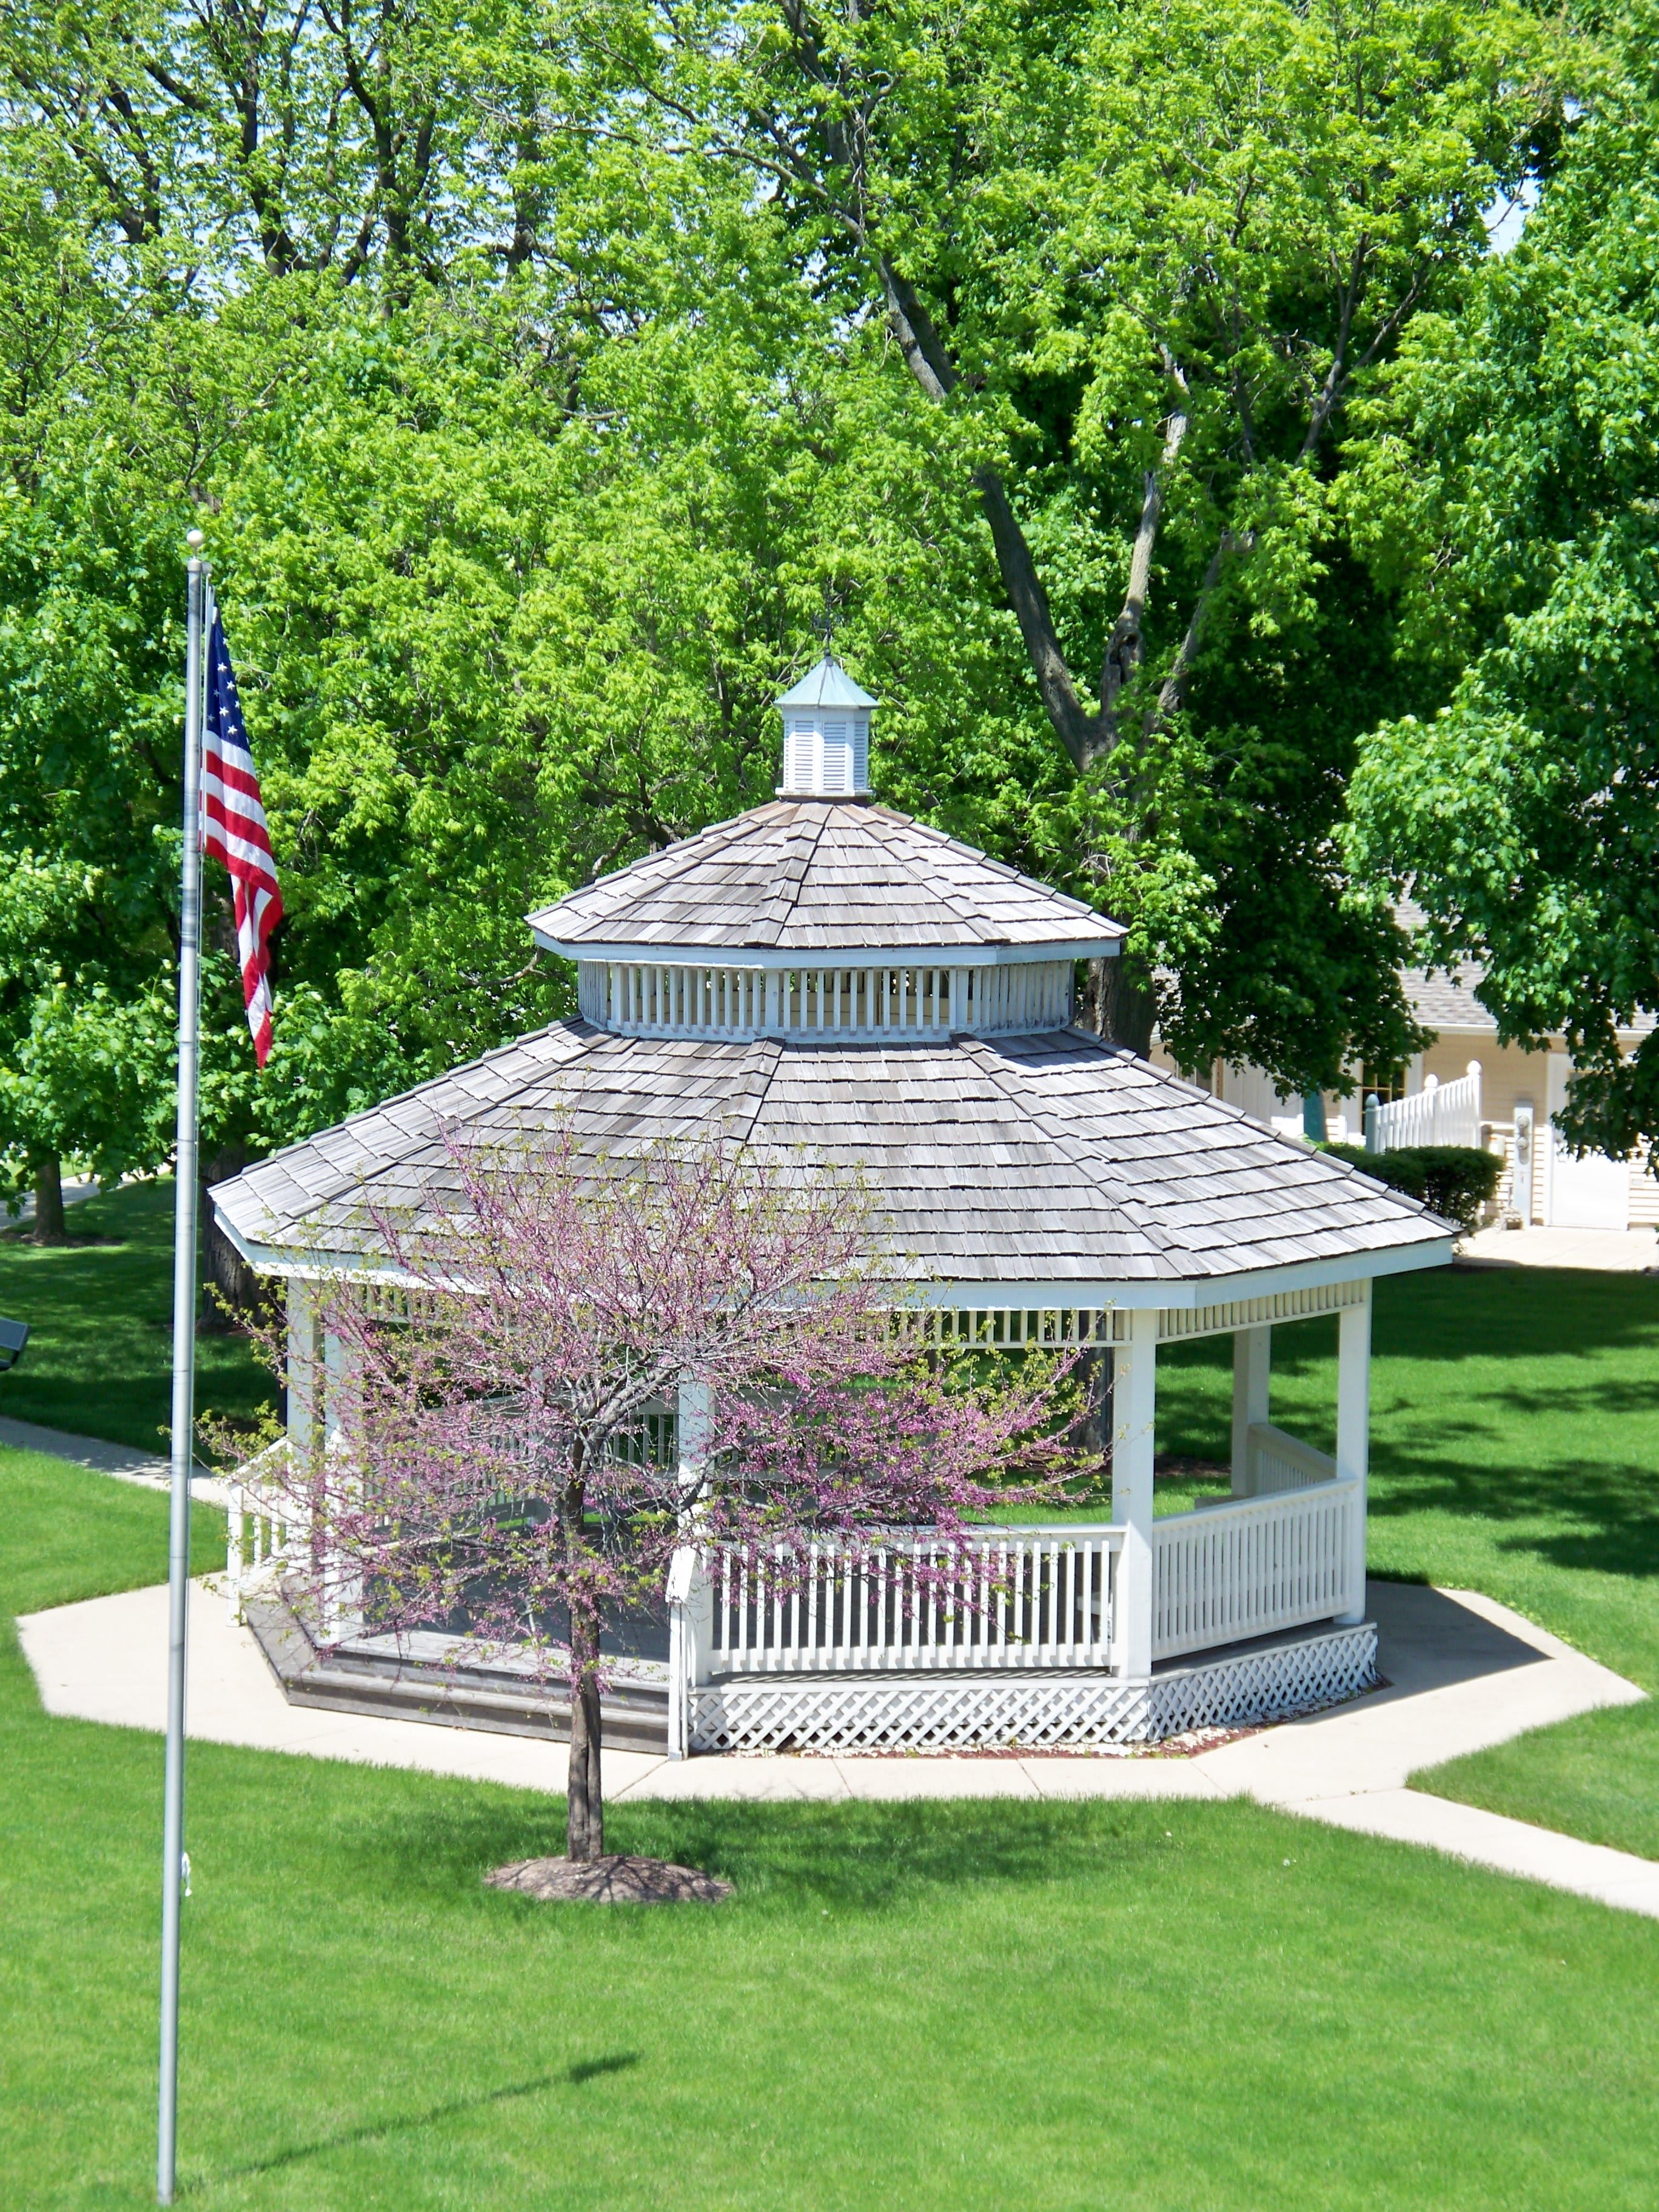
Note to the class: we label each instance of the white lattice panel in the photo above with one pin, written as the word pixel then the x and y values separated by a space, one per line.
pixel 1265 1685
pixel 1035 1713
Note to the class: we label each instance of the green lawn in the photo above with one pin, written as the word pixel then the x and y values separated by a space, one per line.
pixel 1515 1449
pixel 101 1308
pixel 1193 2009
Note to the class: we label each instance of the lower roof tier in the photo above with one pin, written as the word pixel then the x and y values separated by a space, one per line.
pixel 1055 1159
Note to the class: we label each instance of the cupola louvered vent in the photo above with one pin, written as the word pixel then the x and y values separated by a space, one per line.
pixel 826 735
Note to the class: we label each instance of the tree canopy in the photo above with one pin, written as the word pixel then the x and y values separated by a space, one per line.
pixel 1509 489
pixel 541 376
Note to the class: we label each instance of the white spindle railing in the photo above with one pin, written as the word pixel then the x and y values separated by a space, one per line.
pixel 1232 1571
pixel 1438 1113
pixel 640 999
pixel 1276 1461
pixel 264 1528
pixel 1022 1597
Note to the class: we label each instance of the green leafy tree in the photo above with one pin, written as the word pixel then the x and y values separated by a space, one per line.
pixel 1136 259
pixel 1509 489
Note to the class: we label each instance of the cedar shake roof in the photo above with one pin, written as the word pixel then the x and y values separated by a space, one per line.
pixel 817 877
pixel 1053 1158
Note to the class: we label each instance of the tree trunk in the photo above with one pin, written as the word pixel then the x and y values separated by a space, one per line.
pixel 1122 1006
pixel 585 1828
pixel 48 1201
pixel 223 1268
pixel 1094 1430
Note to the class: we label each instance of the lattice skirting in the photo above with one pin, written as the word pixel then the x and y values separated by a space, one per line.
pixel 1033 1712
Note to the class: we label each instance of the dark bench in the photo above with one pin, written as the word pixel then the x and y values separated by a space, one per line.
pixel 14 1335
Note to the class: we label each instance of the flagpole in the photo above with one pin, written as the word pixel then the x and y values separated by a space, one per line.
pixel 184 1375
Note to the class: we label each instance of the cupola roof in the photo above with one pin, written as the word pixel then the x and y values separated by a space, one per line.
pixel 827 686
pixel 804 878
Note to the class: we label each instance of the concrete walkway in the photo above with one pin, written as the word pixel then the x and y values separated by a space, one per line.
pixel 1464 1673
pixel 121 1461
pixel 1609 1251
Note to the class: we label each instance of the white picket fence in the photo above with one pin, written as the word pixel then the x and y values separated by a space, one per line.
pixel 1224 1573
pixel 1438 1113
pixel 1022 1597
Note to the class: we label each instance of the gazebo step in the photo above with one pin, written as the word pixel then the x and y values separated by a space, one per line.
pixel 634 1715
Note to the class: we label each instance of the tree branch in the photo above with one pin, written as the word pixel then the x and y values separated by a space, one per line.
pixel 1127 644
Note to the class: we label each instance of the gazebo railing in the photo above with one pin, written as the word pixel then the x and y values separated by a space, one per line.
pixel 1008 1598
pixel 1225 1573
pixel 264 1528
pixel 1275 1461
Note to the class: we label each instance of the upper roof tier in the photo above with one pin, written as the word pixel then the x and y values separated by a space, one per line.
pixel 806 878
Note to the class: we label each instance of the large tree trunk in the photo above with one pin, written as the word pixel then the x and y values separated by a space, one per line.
pixel 1121 1006
pixel 223 1268
pixel 585 1828
pixel 48 1201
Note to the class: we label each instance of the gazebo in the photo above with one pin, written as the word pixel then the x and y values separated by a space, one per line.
pixel 823 974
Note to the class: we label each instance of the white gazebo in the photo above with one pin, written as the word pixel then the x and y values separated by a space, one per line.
pixel 822 972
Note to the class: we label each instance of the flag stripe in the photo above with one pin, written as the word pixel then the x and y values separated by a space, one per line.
pixel 234 830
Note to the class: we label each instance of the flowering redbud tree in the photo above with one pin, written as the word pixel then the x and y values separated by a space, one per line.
pixel 491 1397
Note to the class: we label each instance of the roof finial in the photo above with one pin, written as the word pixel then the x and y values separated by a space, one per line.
pixel 825 623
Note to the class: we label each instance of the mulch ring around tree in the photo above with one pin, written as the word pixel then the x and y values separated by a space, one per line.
pixel 616 1878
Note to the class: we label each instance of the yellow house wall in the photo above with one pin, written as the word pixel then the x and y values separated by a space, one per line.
pixel 1509 1075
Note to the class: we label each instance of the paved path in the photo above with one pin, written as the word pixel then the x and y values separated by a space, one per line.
pixel 1464 1673
pixel 1619 1251
pixel 122 1460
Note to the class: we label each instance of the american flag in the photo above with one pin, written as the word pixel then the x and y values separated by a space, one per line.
pixel 234 831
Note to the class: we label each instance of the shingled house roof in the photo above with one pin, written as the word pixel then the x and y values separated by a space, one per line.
pixel 820 876
pixel 1047 1159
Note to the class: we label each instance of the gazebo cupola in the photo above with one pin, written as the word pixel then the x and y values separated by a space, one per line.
pixel 826 735
pixel 823 916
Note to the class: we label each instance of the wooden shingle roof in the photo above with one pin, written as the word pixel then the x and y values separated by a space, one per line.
pixel 1049 1159
pixel 815 877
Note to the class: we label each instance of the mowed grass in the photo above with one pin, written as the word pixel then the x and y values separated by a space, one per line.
pixel 99 1359
pixel 1182 2009
pixel 1515 1449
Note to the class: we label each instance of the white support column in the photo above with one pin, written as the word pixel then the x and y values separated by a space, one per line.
pixel 1134 1409
pixel 1253 1360
pixel 691 1601
pixel 302 1376
pixel 1353 1423
pixel 343 1606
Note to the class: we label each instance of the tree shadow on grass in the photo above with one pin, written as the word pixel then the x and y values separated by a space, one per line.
pixel 854 1858
pixel 572 2076
pixel 1603 1517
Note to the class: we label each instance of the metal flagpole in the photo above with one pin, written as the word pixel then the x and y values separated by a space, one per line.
pixel 184 1375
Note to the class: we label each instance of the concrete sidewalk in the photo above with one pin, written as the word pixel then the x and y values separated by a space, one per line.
pixel 1463 1672
pixel 1608 1251
pixel 121 1461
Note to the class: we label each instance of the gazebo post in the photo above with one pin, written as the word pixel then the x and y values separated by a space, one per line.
pixel 1354 1420
pixel 1134 1411
pixel 692 1598
pixel 1253 1359
pixel 342 1610
pixel 301 1356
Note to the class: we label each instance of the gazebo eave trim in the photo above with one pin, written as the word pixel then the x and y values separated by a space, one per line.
pixel 974 954
pixel 1163 1294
